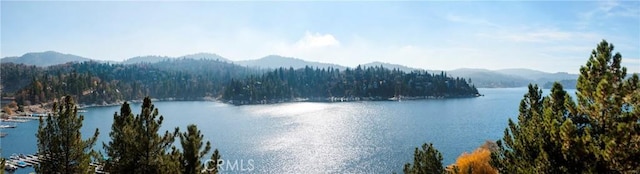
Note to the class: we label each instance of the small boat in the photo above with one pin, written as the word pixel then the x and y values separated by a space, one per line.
pixel 4 126
pixel 10 167
pixel 31 162
pixel 14 157
pixel 21 164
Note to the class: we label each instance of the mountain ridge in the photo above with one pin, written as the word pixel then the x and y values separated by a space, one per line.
pixel 511 77
pixel 45 58
pixel 276 61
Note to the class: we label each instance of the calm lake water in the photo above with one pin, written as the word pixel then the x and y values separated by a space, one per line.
pixel 354 137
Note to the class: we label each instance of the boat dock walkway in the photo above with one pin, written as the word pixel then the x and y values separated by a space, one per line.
pixel 18 161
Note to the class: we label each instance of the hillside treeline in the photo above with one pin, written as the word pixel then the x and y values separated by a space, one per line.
pixel 370 83
pixel 195 79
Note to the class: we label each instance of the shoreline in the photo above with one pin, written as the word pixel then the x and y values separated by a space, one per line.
pixel 341 99
pixel 45 108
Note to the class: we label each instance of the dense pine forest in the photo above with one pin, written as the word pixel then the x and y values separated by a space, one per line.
pixel 103 83
pixel 94 83
pixel 370 83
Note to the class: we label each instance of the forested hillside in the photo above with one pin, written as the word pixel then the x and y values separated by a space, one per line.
pixel 46 58
pixel 371 83
pixel 103 83
pixel 193 79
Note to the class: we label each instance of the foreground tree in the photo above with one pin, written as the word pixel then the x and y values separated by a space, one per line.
pixel 599 134
pixel 60 140
pixel 476 162
pixel 212 166
pixel 192 150
pixel 2 163
pixel 122 143
pixel 610 108
pixel 427 160
pixel 137 147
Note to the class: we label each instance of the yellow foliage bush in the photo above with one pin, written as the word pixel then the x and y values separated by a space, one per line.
pixel 7 110
pixel 476 162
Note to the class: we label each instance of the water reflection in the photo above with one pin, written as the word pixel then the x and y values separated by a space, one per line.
pixel 316 137
pixel 354 137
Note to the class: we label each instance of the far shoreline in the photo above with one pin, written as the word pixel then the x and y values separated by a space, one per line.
pixel 45 108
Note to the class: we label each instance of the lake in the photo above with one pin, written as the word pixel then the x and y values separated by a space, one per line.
pixel 352 137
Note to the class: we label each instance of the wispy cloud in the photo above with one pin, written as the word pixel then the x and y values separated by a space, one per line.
pixel 613 8
pixel 609 9
pixel 548 35
pixel 317 40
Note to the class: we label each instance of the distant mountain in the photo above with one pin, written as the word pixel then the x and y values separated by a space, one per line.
pixel 145 59
pixel 275 61
pixel 511 77
pixel 480 77
pixel 539 77
pixel 489 79
pixel 207 56
pixel 391 66
pixel 46 58
pixel 566 84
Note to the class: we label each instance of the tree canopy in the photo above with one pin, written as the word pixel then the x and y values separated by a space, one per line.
pixel 193 150
pixel 427 160
pixel 369 83
pixel 61 143
pixel 191 79
pixel 136 145
pixel 600 133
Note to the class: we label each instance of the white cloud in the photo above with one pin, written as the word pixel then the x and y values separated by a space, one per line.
pixel 316 40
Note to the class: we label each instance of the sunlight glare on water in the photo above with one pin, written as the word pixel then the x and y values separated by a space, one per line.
pixel 288 109
pixel 316 138
pixel 307 137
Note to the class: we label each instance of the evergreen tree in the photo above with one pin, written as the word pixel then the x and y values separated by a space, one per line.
pixel 192 150
pixel 171 162
pixel 212 166
pixel 2 163
pixel 137 147
pixel 60 141
pixel 609 105
pixel 599 134
pixel 122 142
pixel 427 160
pixel 153 147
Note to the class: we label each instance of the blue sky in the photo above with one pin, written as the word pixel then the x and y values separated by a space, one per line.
pixel 548 36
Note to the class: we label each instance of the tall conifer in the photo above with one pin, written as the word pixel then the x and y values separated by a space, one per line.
pixel 599 134
pixel 60 141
